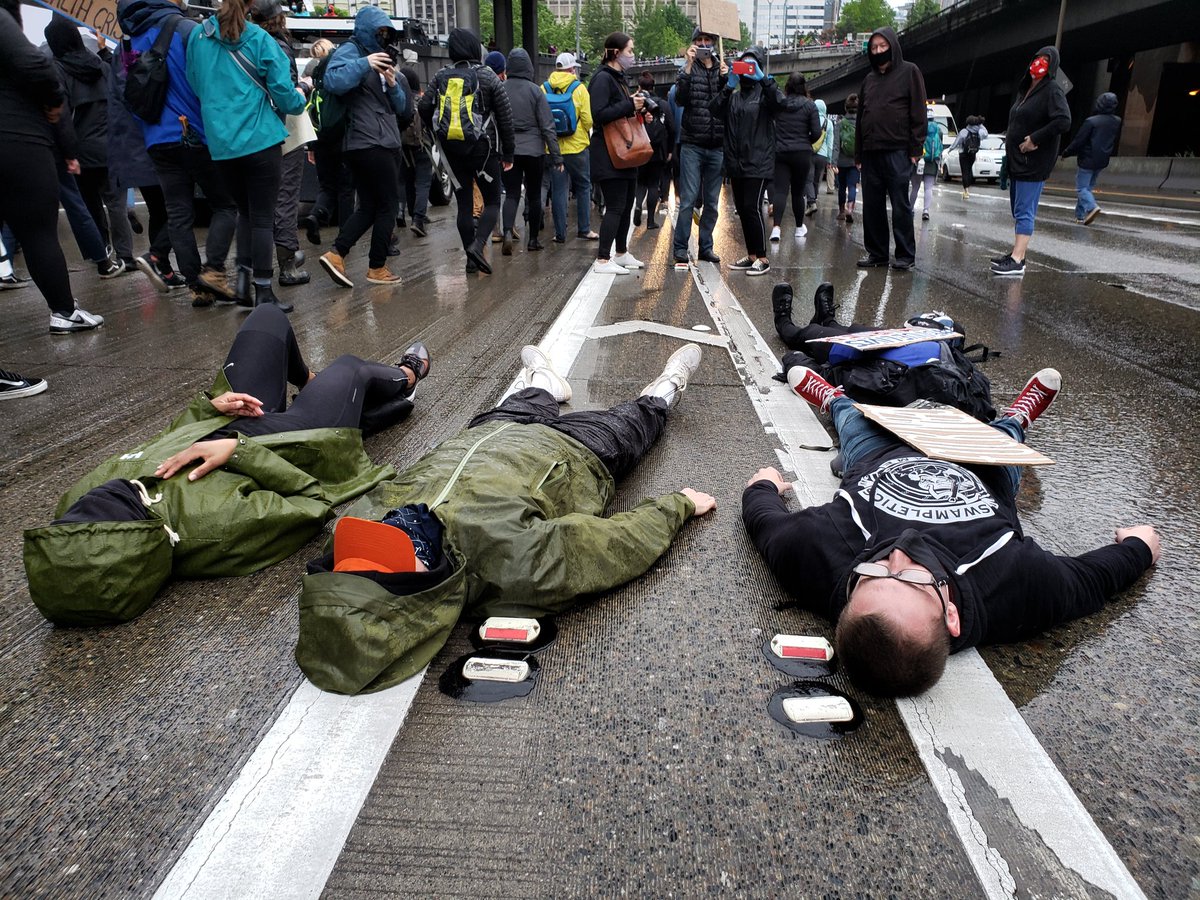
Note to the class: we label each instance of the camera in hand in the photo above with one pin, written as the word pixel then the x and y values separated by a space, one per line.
pixel 649 100
pixel 704 52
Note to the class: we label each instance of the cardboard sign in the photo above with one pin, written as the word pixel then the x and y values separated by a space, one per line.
pixel 950 434
pixel 887 338
pixel 720 17
pixel 99 15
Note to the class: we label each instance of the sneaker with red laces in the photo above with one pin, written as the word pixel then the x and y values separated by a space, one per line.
pixel 813 388
pixel 1035 398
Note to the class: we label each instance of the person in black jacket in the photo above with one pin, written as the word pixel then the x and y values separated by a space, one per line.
pixel 795 131
pixel 1094 146
pixel 702 135
pixel 916 558
pixel 888 142
pixel 1036 121
pixel 535 139
pixel 749 116
pixel 660 128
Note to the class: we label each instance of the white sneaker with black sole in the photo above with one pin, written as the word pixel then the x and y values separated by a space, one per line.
pixel 775 234
pixel 14 386
pixel 78 320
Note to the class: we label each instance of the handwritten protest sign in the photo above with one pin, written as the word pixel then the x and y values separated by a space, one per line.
pixel 887 338
pixel 946 433
pixel 99 15
pixel 720 17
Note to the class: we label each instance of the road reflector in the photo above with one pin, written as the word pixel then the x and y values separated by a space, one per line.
pixel 799 646
pixel 483 668
pixel 818 709
pixel 512 630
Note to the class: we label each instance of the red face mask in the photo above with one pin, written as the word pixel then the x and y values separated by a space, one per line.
pixel 1039 67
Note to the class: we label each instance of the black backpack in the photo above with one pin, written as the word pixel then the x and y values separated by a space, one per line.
pixel 971 145
pixel 146 82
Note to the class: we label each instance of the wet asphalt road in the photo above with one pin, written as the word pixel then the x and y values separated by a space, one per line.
pixel 644 760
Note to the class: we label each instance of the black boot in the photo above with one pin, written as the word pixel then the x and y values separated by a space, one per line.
pixel 290 273
pixel 781 301
pixel 506 243
pixel 312 228
pixel 242 282
pixel 823 305
pixel 264 294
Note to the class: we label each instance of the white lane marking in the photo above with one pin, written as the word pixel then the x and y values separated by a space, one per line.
pixel 281 826
pixel 1152 215
pixel 968 712
pixel 684 334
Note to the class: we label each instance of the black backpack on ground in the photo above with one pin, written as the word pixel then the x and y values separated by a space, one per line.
pixel 146 83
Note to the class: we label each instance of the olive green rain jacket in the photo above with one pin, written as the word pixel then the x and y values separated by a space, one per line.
pixel 522 507
pixel 272 497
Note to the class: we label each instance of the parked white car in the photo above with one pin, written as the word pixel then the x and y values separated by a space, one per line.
pixel 987 160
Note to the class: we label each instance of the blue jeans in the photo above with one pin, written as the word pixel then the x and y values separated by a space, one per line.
pixel 862 438
pixel 1085 180
pixel 1023 197
pixel 699 177
pixel 83 226
pixel 577 175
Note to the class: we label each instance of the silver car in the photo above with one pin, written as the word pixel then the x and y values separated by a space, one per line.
pixel 987 161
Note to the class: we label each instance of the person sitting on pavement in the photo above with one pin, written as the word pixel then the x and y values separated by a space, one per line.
pixel 507 519
pixel 268 477
pixel 916 558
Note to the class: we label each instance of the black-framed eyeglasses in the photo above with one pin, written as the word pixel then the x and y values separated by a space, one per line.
pixel 920 577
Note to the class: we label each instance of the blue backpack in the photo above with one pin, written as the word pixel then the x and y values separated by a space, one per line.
pixel 562 108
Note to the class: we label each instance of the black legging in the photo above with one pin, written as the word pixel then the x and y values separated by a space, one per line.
pixel 253 182
pixel 160 236
pixel 792 169
pixel 527 169
pixel 649 186
pixel 797 336
pixel 966 162
pixel 618 209
pixel 29 205
pixel 475 165
pixel 620 436
pixel 747 200
pixel 349 393
pixel 376 176
pixel 92 184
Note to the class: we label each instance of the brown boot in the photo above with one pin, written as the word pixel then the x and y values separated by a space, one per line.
pixel 218 282
pixel 382 275
pixel 333 263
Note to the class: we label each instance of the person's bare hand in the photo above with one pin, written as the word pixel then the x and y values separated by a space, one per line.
pixel 231 403
pixel 1145 533
pixel 560 168
pixel 506 166
pixel 690 53
pixel 704 503
pixel 210 454
pixel 73 167
pixel 53 115
pixel 639 102
pixel 379 61
pixel 389 76
pixel 1027 145
pixel 724 69
pixel 772 475
pixel 914 159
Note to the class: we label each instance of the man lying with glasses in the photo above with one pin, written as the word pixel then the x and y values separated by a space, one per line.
pixel 917 558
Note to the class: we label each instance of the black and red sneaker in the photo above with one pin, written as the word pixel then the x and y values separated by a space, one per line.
pixel 1035 398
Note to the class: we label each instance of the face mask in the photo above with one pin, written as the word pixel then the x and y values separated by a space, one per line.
pixel 1039 67
pixel 625 60
pixel 882 58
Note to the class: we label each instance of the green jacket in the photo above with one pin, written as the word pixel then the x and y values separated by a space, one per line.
pixel 272 497
pixel 523 508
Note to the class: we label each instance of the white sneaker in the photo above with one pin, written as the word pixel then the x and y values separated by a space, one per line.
pixel 680 367
pixel 801 231
pixel 609 268
pixel 686 360
pixel 629 261
pixel 78 320
pixel 775 234
pixel 538 372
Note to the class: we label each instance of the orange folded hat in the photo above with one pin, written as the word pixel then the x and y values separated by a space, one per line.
pixel 360 545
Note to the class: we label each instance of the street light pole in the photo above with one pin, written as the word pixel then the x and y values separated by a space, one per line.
pixel 578 16
pixel 1062 15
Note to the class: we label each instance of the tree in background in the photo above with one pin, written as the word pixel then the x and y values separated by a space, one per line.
pixel 922 10
pixel 660 29
pixel 599 20
pixel 550 30
pixel 864 16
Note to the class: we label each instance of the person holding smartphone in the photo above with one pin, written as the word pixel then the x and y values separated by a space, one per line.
pixel 702 137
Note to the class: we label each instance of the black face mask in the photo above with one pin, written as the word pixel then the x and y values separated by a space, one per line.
pixel 882 58
pixel 913 543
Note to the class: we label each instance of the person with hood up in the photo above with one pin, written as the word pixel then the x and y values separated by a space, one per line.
pixel 267 479
pixel 888 142
pixel 85 79
pixel 468 112
pixel 245 87
pixel 31 100
pixel 917 558
pixel 365 77
pixel 1036 123
pixel 576 175
pixel 749 116
pixel 967 143
pixel 847 172
pixel 178 149
pixel 931 153
pixel 416 166
pixel 533 127
pixel 796 130
pixel 1094 146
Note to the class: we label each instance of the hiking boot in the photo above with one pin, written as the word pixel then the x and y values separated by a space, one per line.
pixel 760 266
pixel 14 386
pixel 216 281
pixel 290 273
pixel 539 373
pixel 382 275
pixel 1035 398
pixel 333 263
pixel 813 388
pixel 78 320
pixel 263 295
pixel 781 300
pixel 680 367
pixel 823 305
